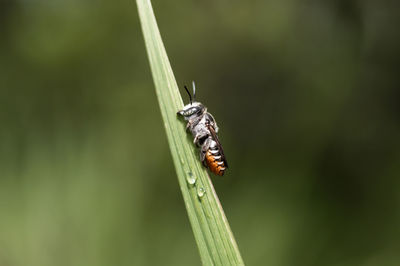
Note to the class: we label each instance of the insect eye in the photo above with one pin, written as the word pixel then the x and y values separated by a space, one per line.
pixel 192 111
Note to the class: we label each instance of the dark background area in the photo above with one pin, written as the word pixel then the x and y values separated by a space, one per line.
pixel 306 95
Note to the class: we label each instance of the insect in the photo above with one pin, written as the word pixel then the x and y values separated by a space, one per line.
pixel 204 129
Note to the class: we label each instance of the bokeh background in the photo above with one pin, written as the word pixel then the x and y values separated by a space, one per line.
pixel 306 94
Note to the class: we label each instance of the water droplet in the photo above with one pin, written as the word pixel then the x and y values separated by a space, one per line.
pixel 181 157
pixel 200 192
pixel 190 178
pixel 166 127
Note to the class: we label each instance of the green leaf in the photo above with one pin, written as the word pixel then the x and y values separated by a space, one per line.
pixel 213 235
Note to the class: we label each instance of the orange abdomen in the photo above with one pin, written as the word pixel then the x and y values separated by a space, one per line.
pixel 215 164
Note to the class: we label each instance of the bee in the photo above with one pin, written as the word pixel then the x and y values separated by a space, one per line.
pixel 204 129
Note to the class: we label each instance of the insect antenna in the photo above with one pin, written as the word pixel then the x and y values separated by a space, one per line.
pixel 190 96
pixel 194 90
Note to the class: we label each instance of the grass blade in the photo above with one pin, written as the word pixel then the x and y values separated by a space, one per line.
pixel 213 235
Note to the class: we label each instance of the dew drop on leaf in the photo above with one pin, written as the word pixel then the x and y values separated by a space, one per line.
pixel 200 192
pixel 190 178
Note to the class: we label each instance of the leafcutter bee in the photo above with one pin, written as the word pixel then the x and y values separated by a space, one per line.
pixel 204 129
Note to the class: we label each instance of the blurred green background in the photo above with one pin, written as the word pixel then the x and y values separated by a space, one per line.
pixel 306 94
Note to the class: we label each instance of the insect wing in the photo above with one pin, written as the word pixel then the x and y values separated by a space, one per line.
pixel 215 137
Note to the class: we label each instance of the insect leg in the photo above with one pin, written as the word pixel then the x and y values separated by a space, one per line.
pixel 197 139
pixel 203 157
pixel 200 135
pixel 203 151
